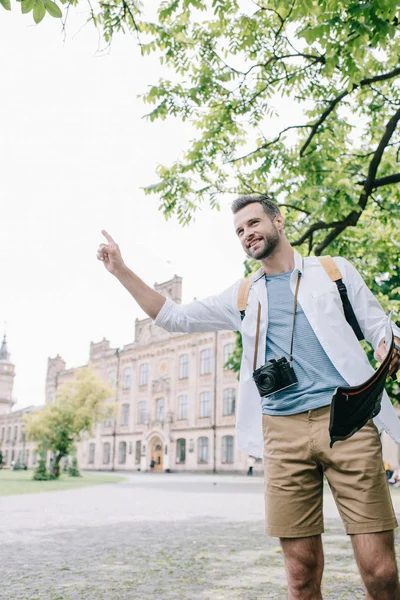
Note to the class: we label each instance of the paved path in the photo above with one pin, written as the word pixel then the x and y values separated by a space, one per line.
pixel 156 536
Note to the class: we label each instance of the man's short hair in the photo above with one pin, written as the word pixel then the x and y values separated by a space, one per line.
pixel 270 208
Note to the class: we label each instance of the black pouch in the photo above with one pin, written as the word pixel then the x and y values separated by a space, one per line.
pixel 353 406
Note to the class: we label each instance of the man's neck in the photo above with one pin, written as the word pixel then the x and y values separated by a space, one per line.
pixel 280 261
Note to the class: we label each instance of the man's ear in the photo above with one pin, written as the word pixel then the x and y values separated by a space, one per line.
pixel 279 222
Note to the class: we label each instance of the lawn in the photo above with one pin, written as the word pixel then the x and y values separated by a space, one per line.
pixel 21 482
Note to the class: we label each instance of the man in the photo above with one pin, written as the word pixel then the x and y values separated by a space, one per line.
pixel 293 430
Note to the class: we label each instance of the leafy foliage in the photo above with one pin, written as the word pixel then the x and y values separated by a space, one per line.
pixel 78 406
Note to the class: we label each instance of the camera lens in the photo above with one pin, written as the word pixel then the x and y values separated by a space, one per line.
pixel 267 382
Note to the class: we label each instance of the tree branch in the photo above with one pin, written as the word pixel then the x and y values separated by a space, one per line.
pixel 389 179
pixel 355 215
pixel 339 98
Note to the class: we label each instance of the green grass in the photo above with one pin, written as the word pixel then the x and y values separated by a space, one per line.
pixel 21 482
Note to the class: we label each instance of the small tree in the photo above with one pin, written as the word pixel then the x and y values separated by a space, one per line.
pixel 73 470
pixel 41 473
pixel 78 406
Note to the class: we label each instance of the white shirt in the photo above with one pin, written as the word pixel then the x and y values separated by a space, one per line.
pixel 322 305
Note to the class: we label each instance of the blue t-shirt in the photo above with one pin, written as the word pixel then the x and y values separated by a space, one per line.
pixel 316 375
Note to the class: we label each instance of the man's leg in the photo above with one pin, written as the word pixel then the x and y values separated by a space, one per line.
pixel 304 562
pixel 375 556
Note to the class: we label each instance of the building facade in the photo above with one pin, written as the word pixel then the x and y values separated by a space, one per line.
pixel 175 403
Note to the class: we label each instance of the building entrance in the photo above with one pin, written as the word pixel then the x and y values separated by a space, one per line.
pixel 156 454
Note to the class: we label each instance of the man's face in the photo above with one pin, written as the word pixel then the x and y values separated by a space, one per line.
pixel 258 235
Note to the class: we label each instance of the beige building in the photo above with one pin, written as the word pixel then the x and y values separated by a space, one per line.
pixel 12 438
pixel 175 403
pixel 175 400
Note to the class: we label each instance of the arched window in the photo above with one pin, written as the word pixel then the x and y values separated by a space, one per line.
pixel 202 452
pixel 92 450
pixel 180 451
pixel 205 361
pixel 228 351
pixel 144 374
pixel 127 378
pixel 106 453
pixel 227 449
pixel 141 412
pixel 124 414
pixel 122 453
pixel 229 401
pixel 160 409
pixel 205 404
pixel 183 407
pixel 184 366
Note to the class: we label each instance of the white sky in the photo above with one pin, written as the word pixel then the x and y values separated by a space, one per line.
pixel 74 153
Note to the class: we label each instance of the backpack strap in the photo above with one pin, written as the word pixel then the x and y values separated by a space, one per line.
pixel 243 295
pixel 335 275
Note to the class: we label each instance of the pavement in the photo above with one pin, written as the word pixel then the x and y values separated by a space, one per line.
pixel 157 537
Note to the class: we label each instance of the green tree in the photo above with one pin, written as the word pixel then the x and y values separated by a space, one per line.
pixel 78 406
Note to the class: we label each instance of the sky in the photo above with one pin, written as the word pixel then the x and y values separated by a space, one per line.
pixel 75 152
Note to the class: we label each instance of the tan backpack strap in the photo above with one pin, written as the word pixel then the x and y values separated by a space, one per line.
pixel 243 294
pixel 330 267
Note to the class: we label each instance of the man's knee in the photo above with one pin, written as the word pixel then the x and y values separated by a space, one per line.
pixel 381 577
pixel 304 565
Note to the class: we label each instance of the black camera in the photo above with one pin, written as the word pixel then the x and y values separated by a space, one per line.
pixel 276 375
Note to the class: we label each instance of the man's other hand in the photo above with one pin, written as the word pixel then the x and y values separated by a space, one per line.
pixel 110 255
pixel 381 352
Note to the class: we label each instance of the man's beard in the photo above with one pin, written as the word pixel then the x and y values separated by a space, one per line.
pixel 267 246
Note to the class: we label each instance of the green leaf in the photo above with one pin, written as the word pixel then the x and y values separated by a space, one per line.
pixel 6 4
pixel 53 9
pixel 38 11
pixel 26 6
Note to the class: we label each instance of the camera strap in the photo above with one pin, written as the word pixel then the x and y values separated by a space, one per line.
pixel 294 318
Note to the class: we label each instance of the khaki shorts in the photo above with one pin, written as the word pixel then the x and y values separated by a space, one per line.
pixel 296 458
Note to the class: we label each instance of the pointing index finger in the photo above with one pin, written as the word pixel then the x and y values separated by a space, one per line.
pixel 107 236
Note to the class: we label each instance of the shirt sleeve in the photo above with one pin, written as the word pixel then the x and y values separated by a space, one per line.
pixel 370 314
pixel 213 313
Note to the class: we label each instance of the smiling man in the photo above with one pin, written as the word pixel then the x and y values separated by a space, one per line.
pixel 300 347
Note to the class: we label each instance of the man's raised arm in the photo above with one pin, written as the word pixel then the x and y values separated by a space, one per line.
pixel 147 298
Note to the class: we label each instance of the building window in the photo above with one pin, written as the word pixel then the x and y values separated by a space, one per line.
pixel 122 453
pixel 15 433
pixel 92 450
pixel 8 434
pixel 141 412
pixel 227 449
pixel 144 374
pixel 137 452
pixel 205 361
pixel 22 438
pixel 112 378
pixel 228 351
pixel 160 409
pixel 125 414
pixel 205 404
pixel 180 450
pixel 3 433
pixel 183 407
pixel 202 453
pixel 106 453
pixel 184 366
pixel 127 378
pixel 229 401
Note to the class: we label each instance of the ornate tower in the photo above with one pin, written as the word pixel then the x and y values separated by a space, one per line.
pixel 7 374
pixel 55 366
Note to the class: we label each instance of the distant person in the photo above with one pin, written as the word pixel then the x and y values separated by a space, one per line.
pixel 292 299
pixel 152 463
pixel 250 464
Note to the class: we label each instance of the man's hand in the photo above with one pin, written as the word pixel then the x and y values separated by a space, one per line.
pixel 381 352
pixel 110 255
